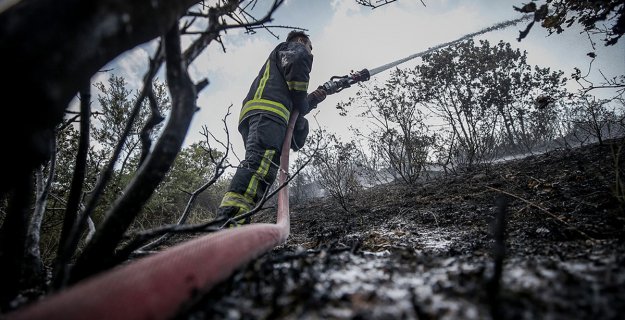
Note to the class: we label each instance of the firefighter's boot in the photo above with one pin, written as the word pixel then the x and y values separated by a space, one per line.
pixel 231 212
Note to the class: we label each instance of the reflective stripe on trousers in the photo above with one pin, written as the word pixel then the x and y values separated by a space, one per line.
pixel 263 137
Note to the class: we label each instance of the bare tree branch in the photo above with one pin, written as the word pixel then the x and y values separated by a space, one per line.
pixel 220 168
pixel 153 121
pixel 98 254
pixel 65 251
pixel 553 216
pixel 374 4
pixel 53 47
pixel 211 226
pixel 33 272
pixel 106 174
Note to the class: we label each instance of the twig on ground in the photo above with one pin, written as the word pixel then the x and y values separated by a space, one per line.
pixel 499 252
pixel 543 210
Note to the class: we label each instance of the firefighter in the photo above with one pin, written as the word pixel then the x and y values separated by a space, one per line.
pixel 280 88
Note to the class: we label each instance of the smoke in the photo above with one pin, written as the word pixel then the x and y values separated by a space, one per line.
pixel 497 26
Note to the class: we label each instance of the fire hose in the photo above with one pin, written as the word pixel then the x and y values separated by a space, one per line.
pixel 157 286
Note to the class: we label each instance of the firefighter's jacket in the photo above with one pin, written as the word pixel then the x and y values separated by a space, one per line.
pixel 281 85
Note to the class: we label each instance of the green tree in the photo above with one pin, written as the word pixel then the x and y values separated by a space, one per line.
pixel 522 95
pixel 116 102
pixel 484 94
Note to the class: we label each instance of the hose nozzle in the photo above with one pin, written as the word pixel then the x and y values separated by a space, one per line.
pixel 338 83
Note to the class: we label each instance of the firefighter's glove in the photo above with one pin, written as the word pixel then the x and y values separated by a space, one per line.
pixel 315 97
pixel 300 132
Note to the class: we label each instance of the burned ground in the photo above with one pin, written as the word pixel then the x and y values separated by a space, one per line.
pixel 426 251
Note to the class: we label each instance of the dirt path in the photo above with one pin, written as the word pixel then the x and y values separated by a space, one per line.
pixel 426 252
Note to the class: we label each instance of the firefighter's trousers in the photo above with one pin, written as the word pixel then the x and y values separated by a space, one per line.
pixel 263 137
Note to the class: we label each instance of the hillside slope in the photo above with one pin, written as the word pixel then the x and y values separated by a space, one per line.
pixel 426 252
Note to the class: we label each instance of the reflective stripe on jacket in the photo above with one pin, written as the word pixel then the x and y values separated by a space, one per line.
pixel 281 84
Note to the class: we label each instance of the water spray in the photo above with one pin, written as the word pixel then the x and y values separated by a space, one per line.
pixel 338 83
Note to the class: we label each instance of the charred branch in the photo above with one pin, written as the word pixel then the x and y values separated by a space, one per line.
pixel 65 250
pixel 52 48
pixel 98 254
pixel 33 272
pixel 374 4
pixel 153 121
pixel 139 239
pixel 13 240
pixel 499 252
pixel 220 168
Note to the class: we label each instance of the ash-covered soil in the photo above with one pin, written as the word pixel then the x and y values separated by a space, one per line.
pixel 427 251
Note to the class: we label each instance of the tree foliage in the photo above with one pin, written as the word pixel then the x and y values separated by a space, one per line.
pixel 116 102
pixel 599 17
pixel 482 99
pixel 485 93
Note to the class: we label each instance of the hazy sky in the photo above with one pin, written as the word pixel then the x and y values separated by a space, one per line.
pixel 349 37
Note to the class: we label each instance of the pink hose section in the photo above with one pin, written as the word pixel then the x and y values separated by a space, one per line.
pixel 155 287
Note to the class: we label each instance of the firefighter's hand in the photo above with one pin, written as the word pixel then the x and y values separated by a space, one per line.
pixel 315 97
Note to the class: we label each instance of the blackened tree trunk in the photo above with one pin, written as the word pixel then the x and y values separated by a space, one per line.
pixel 13 240
pixel 50 48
